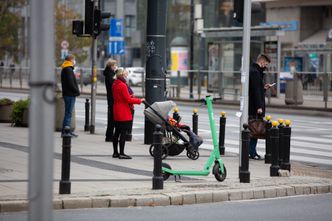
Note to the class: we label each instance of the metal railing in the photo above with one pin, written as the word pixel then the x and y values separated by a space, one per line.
pixel 316 86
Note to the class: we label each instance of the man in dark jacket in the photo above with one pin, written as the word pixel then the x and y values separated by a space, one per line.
pixel 69 91
pixel 109 74
pixel 257 96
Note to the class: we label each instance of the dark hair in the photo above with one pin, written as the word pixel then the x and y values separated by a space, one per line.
pixel 265 57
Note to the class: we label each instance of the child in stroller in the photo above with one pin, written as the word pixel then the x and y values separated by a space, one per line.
pixel 174 142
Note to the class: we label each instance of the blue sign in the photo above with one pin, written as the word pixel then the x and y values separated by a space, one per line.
pixel 116 47
pixel 116 29
pixel 286 25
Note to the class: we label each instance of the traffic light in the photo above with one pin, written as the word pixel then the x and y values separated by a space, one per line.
pixel 78 27
pixel 99 26
pixel 238 6
pixel 88 18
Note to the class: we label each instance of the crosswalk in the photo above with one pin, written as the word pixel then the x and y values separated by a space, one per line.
pixel 311 139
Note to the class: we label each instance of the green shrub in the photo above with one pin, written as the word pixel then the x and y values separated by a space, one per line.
pixel 17 114
pixel 6 101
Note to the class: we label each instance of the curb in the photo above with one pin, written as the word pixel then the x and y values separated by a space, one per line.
pixel 181 198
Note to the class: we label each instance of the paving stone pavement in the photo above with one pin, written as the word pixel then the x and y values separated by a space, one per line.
pixel 100 181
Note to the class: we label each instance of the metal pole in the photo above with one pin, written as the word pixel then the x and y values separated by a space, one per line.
pixel 325 81
pixel 155 58
pixel 191 73
pixel 41 114
pixel 222 129
pixel 87 110
pixel 195 121
pixel 245 69
pixel 278 65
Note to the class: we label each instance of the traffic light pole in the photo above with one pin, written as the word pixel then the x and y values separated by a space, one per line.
pixel 93 84
pixel 155 86
pixel 245 69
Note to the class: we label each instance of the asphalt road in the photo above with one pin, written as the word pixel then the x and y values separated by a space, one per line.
pixel 301 208
pixel 311 140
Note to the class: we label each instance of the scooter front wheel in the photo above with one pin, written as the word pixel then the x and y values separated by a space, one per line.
pixel 165 174
pixel 217 172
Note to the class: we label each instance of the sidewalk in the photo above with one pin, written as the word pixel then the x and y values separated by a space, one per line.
pixel 98 180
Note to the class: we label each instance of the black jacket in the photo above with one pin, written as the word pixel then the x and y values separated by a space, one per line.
pixel 68 81
pixel 256 90
pixel 109 79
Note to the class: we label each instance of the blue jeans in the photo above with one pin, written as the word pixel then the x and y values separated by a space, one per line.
pixel 252 147
pixel 69 105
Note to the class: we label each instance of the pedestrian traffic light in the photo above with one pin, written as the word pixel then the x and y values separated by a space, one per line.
pixel 238 10
pixel 99 26
pixel 88 17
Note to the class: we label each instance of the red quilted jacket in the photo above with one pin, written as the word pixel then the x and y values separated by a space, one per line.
pixel 122 101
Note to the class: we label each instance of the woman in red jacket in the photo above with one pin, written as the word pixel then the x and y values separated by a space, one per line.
pixel 122 112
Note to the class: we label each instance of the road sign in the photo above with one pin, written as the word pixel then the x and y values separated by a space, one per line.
pixel 116 47
pixel 116 29
pixel 64 44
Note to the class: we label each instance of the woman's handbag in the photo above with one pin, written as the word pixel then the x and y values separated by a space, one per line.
pixel 257 128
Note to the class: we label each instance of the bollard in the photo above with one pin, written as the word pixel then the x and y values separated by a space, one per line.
pixel 281 140
pixel 195 121
pixel 268 126
pixel 65 184
pixel 285 165
pixel 244 173
pixel 222 128
pixel 87 113
pixel 176 115
pixel 157 180
pixel 274 137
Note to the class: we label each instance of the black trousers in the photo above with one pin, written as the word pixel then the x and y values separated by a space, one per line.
pixel 121 130
pixel 110 123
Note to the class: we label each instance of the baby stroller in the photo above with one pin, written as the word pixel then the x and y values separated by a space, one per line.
pixel 173 141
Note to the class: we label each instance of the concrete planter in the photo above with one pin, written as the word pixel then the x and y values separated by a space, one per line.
pixel 5 112
pixel 60 112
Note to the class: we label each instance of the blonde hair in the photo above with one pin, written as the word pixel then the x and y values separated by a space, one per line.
pixel 110 62
pixel 120 72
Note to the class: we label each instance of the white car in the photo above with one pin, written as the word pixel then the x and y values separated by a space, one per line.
pixel 135 75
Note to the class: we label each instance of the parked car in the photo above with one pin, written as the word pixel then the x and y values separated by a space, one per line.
pixel 136 75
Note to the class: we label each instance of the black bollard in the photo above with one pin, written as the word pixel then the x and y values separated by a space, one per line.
pixel 268 126
pixel 176 115
pixel 285 165
pixel 87 114
pixel 274 136
pixel 195 121
pixel 65 184
pixel 157 180
pixel 281 140
pixel 244 173
pixel 222 129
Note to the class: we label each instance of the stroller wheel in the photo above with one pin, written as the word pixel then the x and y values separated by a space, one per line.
pixel 217 172
pixel 165 174
pixel 164 153
pixel 194 155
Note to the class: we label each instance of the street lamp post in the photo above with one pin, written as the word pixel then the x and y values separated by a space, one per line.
pixel 155 86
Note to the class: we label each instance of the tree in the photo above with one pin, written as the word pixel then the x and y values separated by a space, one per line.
pixel 10 24
pixel 63 31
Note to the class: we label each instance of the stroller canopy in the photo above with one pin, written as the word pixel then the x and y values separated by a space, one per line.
pixel 162 108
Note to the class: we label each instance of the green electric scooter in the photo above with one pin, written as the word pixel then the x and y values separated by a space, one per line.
pixel 219 169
